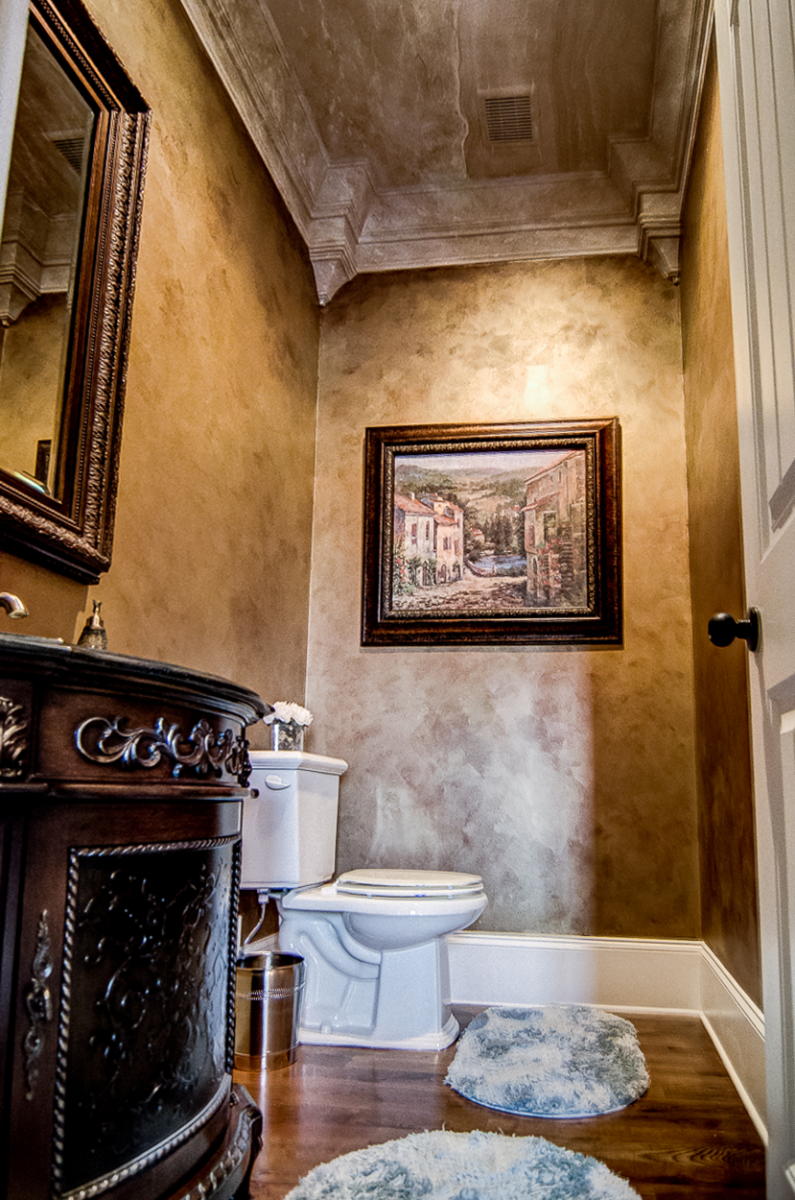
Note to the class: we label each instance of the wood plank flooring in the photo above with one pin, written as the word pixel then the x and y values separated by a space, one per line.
pixel 689 1136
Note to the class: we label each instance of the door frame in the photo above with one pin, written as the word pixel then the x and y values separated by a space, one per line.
pixel 756 76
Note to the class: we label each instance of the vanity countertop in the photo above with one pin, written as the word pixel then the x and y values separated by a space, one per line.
pixel 73 717
pixel 66 666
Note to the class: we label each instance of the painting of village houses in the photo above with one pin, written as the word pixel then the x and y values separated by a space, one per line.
pixel 490 532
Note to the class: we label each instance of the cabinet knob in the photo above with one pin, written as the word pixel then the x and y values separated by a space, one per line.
pixel 723 629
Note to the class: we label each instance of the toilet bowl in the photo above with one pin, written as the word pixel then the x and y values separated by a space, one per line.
pixel 373 940
pixel 376 959
pixel 421 905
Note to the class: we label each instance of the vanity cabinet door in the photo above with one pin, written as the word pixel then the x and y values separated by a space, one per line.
pixel 123 1021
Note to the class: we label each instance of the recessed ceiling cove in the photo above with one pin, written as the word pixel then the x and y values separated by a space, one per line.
pixel 403 133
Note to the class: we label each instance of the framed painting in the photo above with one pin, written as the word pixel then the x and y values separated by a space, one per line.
pixel 493 534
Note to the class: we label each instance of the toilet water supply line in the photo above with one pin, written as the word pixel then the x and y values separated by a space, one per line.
pixel 263 896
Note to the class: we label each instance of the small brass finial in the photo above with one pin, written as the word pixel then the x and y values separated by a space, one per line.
pixel 94 635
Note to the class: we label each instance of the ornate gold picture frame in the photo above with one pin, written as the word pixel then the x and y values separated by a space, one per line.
pixel 493 534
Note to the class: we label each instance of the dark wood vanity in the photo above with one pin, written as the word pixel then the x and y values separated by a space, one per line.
pixel 121 782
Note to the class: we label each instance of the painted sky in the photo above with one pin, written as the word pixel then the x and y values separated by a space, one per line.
pixel 510 461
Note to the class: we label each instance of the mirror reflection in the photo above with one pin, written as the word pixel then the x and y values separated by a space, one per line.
pixel 39 252
pixel 67 273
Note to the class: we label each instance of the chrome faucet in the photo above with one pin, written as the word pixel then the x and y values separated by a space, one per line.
pixel 13 605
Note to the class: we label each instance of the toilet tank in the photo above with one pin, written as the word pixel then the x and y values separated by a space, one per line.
pixel 290 828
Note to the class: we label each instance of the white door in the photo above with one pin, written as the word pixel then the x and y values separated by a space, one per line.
pixel 756 65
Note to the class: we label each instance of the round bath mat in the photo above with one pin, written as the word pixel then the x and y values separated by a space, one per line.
pixel 463 1166
pixel 555 1061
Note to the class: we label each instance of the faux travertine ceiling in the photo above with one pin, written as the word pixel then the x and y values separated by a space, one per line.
pixel 420 133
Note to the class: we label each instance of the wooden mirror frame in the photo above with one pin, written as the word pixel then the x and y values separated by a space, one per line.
pixel 71 532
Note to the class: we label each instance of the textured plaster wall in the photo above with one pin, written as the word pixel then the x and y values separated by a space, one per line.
pixel 211 554
pixel 566 778
pixel 728 867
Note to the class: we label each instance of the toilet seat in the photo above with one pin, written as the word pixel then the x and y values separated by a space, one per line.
pixel 407 883
pixel 330 898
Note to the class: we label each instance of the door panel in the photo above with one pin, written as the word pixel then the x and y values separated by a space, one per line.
pixel 756 64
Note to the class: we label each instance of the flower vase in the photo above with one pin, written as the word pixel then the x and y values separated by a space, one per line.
pixel 287 735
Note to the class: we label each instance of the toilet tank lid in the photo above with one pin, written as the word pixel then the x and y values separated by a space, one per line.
pixel 391 882
pixel 296 760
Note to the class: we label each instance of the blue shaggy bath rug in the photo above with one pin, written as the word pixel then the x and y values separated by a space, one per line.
pixel 556 1061
pixel 463 1166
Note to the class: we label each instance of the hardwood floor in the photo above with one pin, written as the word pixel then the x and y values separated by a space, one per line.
pixel 689 1136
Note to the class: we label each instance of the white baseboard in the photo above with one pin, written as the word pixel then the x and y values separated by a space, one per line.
pixel 630 974
pixel 737 1027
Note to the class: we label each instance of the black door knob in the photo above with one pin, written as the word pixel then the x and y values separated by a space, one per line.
pixel 723 629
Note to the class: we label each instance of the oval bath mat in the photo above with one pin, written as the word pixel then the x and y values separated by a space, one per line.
pixel 463 1166
pixel 555 1061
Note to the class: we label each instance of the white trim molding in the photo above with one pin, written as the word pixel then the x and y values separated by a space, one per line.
pixel 622 974
pixel 737 1028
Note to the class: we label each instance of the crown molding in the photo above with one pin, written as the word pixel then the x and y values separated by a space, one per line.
pixel 350 228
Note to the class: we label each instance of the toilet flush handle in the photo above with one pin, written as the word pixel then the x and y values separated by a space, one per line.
pixel 276 782
pixel 723 629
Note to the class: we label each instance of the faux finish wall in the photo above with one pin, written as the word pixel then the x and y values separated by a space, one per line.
pixel 211 553
pixel 567 779
pixel 728 868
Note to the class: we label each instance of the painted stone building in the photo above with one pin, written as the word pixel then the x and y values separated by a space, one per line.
pixel 414 538
pixel 449 521
pixel 554 533
pixel 429 541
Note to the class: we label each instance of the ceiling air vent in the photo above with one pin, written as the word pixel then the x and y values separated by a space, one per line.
pixel 508 118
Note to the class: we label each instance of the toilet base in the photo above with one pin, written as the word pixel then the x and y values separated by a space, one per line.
pixel 358 996
pixel 438 1040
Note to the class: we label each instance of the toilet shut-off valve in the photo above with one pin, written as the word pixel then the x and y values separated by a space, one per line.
pixel 723 629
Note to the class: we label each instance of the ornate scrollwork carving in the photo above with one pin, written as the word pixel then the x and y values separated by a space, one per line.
pixel 231 1159
pixel 106 742
pixel 142 1052
pixel 38 1003
pixel 13 739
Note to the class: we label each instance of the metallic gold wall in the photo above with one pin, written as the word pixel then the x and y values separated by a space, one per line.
pixel 571 780
pixel 726 820
pixel 211 552
pixel 566 778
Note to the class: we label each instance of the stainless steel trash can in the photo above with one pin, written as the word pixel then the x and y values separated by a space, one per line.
pixel 268 993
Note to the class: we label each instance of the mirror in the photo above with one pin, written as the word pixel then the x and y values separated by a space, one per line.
pixel 45 205
pixel 67 268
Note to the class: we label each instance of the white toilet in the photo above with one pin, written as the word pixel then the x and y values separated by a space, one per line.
pixel 373 940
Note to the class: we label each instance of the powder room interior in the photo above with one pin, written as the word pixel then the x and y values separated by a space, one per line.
pixel 601 793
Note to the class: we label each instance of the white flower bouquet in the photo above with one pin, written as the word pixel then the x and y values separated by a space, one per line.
pixel 288 723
